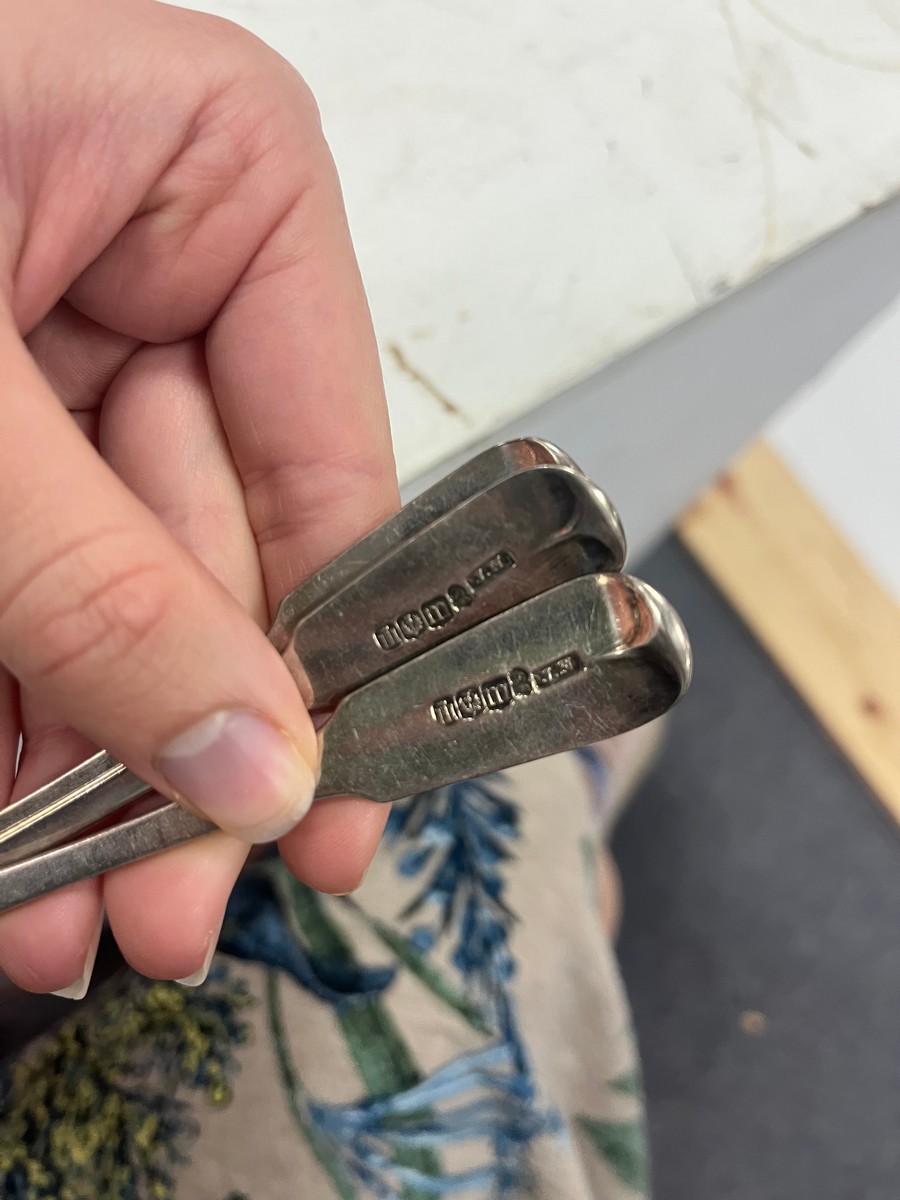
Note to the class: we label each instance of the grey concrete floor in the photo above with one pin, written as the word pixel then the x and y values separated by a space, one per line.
pixel 760 877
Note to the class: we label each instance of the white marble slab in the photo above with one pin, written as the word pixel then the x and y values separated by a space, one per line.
pixel 537 186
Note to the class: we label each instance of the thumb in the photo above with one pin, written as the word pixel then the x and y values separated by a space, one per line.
pixel 117 628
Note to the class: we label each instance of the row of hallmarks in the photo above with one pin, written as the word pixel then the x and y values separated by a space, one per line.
pixel 494 695
pixel 440 610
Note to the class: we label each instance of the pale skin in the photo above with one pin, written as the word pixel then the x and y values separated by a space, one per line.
pixel 192 420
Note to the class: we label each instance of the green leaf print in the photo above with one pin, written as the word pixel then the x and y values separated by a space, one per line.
pixel 378 1048
pixel 295 1093
pixel 629 1083
pixel 622 1146
pixel 425 971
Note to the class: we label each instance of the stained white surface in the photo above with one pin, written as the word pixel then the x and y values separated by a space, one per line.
pixel 841 436
pixel 537 186
pixel 656 426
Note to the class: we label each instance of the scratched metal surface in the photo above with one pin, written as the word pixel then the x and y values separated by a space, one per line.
pixel 589 659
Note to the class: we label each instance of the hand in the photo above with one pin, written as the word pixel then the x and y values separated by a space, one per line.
pixel 192 420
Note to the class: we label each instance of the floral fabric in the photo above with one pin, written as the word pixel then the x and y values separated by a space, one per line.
pixel 455 1028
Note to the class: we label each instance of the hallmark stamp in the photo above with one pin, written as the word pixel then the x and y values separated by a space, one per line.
pixel 501 692
pixel 441 610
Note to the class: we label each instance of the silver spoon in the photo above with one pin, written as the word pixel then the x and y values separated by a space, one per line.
pixel 591 658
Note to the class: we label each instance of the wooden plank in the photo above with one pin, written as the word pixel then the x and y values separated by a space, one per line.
pixel 825 619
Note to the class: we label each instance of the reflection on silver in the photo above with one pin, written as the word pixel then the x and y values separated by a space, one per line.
pixel 487 628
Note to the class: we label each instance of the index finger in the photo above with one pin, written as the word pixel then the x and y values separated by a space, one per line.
pixel 294 366
pixel 295 369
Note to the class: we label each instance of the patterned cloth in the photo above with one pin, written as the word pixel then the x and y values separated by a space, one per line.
pixel 457 1027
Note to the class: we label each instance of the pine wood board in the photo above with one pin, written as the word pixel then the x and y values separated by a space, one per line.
pixel 824 618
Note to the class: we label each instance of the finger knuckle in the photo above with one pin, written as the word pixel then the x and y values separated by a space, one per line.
pixel 119 617
pixel 249 60
pixel 349 489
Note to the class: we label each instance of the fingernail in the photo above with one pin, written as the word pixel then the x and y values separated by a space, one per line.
pixel 351 891
pixel 241 772
pixel 78 989
pixel 199 977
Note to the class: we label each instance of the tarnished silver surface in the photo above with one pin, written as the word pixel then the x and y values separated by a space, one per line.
pixel 95 788
pixel 121 844
pixel 535 528
pixel 587 660
pixel 483 471
pixel 509 542
pixel 456 639
pixel 591 658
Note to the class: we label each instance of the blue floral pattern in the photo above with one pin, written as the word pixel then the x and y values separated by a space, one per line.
pixel 395 1139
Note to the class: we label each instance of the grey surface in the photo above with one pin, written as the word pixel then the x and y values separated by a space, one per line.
pixel 660 422
pixel 760 874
